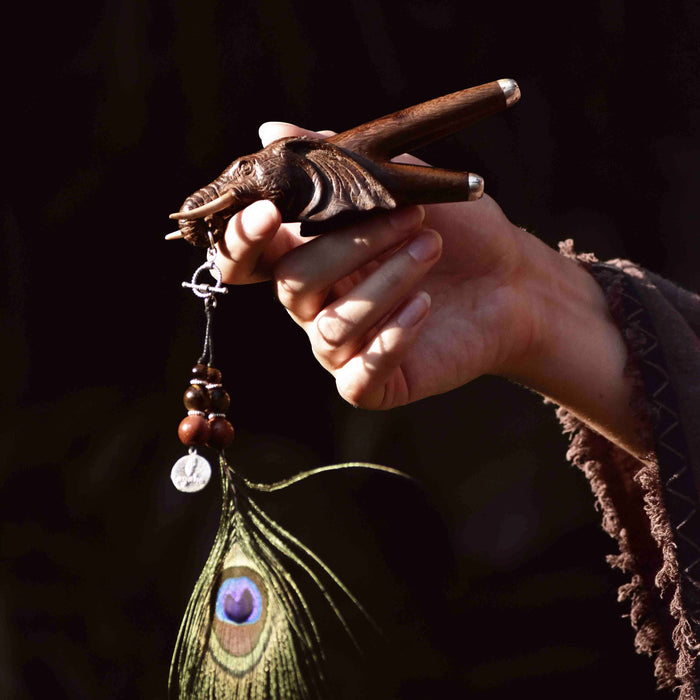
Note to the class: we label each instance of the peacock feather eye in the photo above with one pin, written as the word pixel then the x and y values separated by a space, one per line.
pixel 241 622
pixel 239 601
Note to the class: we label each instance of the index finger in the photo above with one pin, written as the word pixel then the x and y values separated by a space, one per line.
pixel 247 235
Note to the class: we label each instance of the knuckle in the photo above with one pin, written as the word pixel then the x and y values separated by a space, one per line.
pixel 285 292
pixel 293 296
pixel 295 290
pixel 302 304
pixel 289 275
pixel 331 330
pixel 350 389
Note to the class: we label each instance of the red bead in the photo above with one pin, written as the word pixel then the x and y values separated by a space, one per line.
pixel 221 433
pixel 194 431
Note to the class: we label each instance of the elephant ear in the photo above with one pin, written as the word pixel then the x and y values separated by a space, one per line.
pixel 342 185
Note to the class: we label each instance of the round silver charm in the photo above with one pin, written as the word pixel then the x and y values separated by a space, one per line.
pixel 190 473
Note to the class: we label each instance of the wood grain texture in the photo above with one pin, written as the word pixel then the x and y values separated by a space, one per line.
pixel 416 126
pixel 324 183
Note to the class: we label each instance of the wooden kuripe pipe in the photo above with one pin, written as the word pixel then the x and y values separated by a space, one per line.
pixel 416 126
pixel 327 182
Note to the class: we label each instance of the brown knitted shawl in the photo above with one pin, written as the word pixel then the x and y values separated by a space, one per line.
pixel 651 506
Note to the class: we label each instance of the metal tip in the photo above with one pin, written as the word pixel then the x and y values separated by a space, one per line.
pixel 174 236
pixel 511 91
pixel 476 187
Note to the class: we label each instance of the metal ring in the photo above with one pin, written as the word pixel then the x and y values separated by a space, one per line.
pixel 206 290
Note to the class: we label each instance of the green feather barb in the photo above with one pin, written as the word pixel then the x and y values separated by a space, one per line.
pixel 248 633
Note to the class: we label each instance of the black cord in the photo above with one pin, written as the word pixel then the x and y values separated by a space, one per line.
pixel 207 357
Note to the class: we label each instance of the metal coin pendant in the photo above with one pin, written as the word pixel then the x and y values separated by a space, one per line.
pixel 190 473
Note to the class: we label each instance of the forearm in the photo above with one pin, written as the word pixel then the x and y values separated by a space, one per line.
pixel 581 359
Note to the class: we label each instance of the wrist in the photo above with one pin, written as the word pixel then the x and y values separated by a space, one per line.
pixel 578 355
pixel 558 298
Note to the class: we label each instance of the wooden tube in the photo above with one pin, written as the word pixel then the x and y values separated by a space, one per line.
pixel 415 126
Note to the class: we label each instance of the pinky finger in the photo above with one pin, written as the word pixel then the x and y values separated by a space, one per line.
pixel 373 379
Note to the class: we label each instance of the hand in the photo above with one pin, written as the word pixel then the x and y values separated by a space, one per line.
pixel 363 293
pixel 422 300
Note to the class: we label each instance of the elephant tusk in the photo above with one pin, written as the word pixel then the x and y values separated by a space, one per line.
pixel 218 204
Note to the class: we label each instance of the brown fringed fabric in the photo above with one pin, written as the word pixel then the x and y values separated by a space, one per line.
pixel 651 506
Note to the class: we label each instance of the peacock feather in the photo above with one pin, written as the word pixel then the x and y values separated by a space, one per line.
pixel 248 633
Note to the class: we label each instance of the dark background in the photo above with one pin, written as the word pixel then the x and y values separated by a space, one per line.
pixel 493 579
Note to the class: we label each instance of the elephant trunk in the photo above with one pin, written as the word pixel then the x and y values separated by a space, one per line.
pixel 208 210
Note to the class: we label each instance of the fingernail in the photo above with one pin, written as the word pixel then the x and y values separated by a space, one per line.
pixel 424 247
pixel 414 311
pixel 406 218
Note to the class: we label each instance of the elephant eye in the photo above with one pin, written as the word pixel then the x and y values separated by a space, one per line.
pixel 245 167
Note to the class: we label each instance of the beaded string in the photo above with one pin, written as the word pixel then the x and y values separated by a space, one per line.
pixel 206 402
pixel 205 399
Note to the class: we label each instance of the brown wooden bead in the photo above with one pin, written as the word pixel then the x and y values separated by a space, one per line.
pixel 194 431
pixel 213 375
pixel 199 371
pixel 221 433
pixel 196 398
pixel 219 400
